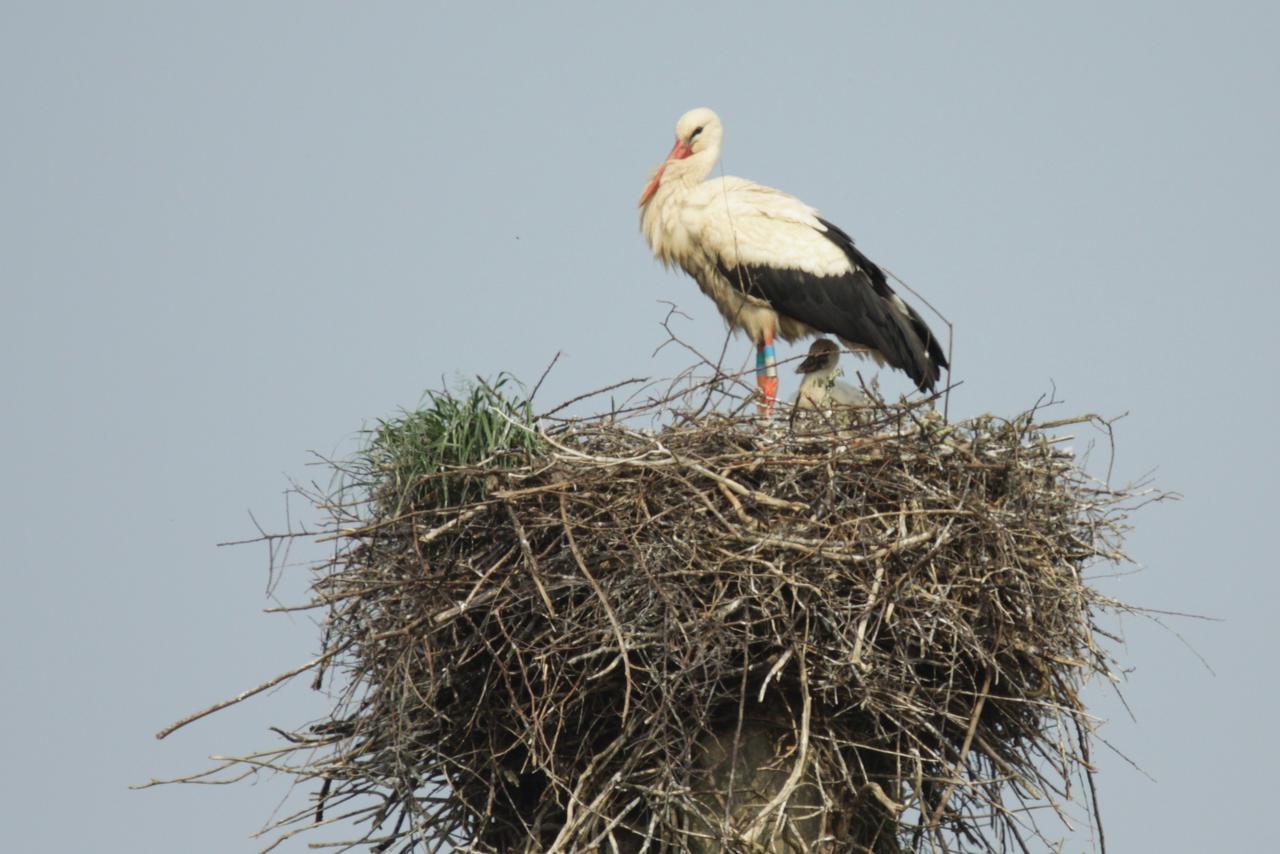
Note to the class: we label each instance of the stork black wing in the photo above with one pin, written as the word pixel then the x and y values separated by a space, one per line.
pixel 857 306
pixel 924 334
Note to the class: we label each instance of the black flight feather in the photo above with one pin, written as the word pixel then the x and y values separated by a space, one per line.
pixel 857 306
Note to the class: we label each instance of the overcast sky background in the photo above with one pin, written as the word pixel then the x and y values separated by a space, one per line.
pixel 232 233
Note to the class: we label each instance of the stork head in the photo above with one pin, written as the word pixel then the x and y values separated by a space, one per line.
pixel 699 130
pixel 698 136
pixel 823 356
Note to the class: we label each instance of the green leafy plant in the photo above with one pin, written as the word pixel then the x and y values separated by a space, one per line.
pixel 438 456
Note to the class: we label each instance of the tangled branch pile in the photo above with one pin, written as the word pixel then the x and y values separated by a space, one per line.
pixel 711 636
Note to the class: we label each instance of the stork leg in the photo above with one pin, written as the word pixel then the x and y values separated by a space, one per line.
pixel 767 375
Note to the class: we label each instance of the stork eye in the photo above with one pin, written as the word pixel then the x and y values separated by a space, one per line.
pixel 696 131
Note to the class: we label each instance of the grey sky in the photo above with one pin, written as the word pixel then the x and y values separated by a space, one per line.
pixel 234 232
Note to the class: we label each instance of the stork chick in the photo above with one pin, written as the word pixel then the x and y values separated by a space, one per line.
pixel 821 388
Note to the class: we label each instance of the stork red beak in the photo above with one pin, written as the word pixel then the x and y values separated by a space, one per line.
pixel 679 151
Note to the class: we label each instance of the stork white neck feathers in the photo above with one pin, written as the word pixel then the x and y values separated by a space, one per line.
pixel 772 265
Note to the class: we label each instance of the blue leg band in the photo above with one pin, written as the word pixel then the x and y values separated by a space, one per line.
pixel 764 359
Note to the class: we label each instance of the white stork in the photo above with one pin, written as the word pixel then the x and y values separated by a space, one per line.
pixel 821 387
pixel 772 265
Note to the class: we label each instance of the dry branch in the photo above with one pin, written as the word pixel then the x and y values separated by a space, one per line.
pixel 713 636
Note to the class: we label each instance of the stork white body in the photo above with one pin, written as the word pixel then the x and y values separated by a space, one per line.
pixel 772 265
pixel 732 222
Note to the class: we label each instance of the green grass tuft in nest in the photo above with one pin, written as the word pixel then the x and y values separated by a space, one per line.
pixel 431 457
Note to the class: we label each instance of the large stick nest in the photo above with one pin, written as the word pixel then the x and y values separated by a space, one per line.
pixel 713 636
